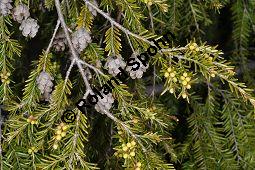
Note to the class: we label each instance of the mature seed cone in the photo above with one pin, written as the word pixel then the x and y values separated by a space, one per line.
pixel 139 72
pixel 44 82
pixel 81 39
pixel 29 27
pixel 5 7
pixel 20 13
pixel 59 43
pixel 92 10
pixel 113 64
pixel 104 104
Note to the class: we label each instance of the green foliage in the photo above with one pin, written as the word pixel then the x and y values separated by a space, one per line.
pixel 190 109
pixel 85 19
pixel 113 41
pixel 243 21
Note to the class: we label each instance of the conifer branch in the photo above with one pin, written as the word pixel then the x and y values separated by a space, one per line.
pixel 194 15
pixel 111 116
pixel 69 70
pixel 91 66
pixel 106 16
pixel 51 42
pixel 130 44
pixel 75 136
pixel 53 36
pixel 238 86
pixel 73 52
pixel 78 62
pixel 216 124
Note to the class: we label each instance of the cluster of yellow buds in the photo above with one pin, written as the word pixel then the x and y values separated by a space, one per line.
pixel 193 47
pixel 138 166
pixel 31 119
pixel 185 80
pixel 216 5
pixel 231 72
pixel 172 80
pixel 32 150
pixel 120 131
pixel 209 58
pixel 59 133
pixel 127 150
pixel 121 134
pixel 150 113
pixel 212 72
pixel 171 74
pixel 4 77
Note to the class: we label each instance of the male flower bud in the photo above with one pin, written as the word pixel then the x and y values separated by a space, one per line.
pixel 32 150
pixel 187 79
pixel 125 156
pixel 184 95
pixel 29 151
pixel 55 146
pixel 61 131
pixel 65 127
pixel 212 73
pixel 138 166
pixel 5 77
pixel 129 145
pixel 31 119
pixel 58 137
pixel 175 80
pixel 172 74
pixel 184 83
pixel 166 74
pixel 133 143
pixel 193 47
pixel 125 148
pixel 132 154
pixel 58 132
pixel 63 134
